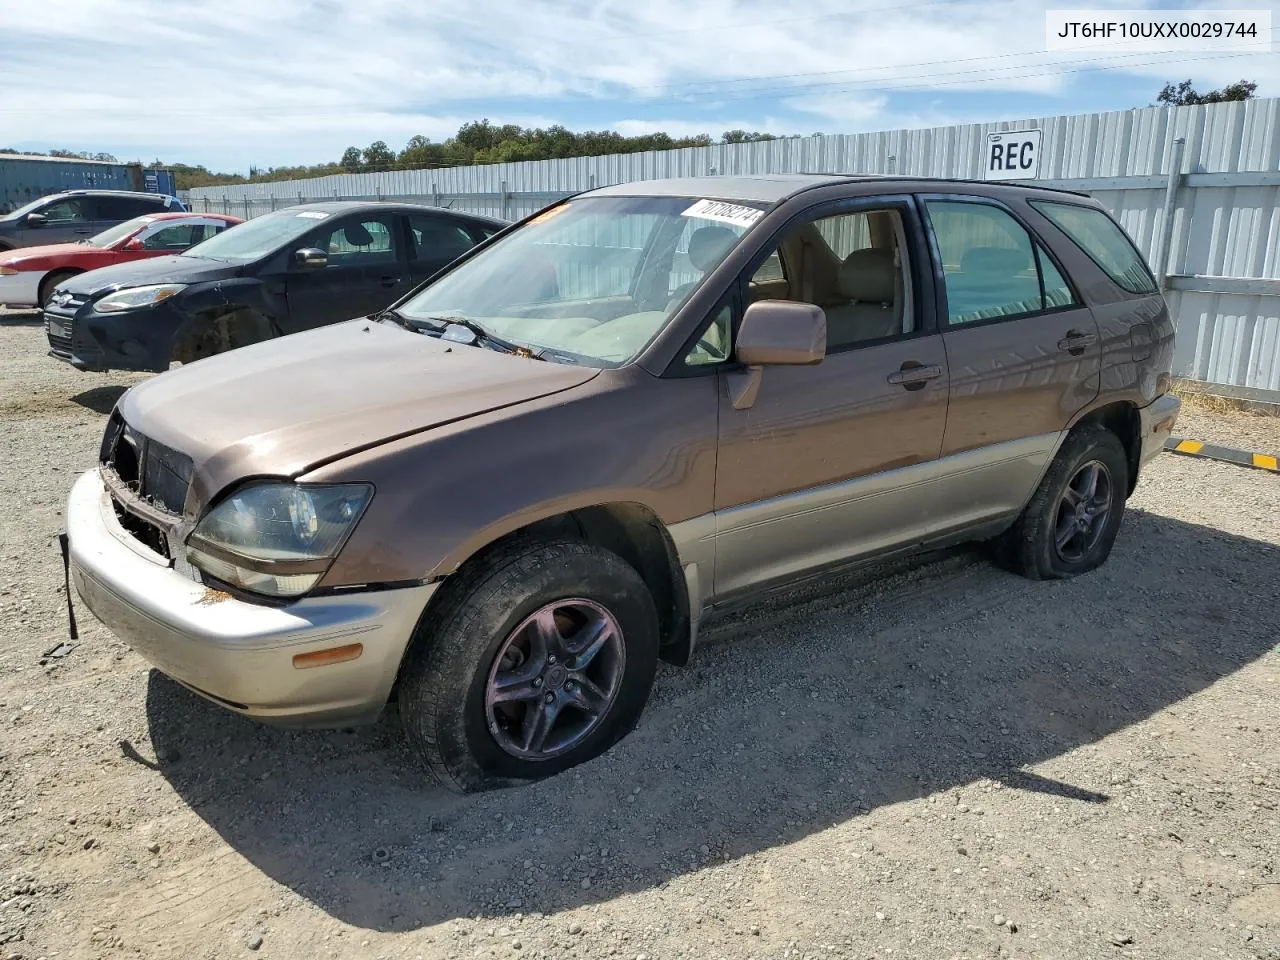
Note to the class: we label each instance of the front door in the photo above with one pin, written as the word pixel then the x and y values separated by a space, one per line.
pixel 365 273
pixel 65 221
pixel 835 460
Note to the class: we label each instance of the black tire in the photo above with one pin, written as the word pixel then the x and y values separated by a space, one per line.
pixel 442 693
pixel 50 283
pixel 1029 547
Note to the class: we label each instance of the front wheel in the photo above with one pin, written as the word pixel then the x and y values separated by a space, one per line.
pixel 540 657
pixel 1071 523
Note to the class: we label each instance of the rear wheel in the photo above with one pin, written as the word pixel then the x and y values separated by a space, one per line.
pixel 1071 523
pixel 540 657
pixel 50 283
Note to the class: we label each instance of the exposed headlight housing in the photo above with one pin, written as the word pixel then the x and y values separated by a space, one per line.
pixel 135 298
pixel 276 538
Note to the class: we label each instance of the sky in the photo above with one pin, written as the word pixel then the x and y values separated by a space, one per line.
pixel 234 83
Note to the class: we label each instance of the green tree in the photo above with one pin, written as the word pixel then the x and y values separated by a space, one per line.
pixel 351 158
pixel 1182 94
pixel 378 155
pixel 742 136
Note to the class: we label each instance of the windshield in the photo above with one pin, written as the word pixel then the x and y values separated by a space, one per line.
pixel 121 230
pixel 592 280
pixel 257 237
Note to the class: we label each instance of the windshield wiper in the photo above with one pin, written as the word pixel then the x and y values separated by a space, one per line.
pixel 438 325
pixel 395 316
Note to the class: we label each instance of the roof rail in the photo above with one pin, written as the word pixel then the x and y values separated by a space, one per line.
pixel 1031 184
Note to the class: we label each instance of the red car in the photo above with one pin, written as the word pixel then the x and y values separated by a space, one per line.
pixel 29 274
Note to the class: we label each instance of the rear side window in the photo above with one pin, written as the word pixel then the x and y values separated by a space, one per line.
pixel 124 208
pixel 435 238
pixel 1102 239
pixel 991 266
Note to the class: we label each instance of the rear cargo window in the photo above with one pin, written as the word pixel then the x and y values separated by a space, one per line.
pixel 1102 239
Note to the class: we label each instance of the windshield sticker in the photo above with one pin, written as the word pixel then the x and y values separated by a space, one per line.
pixel 312 215
pixel 546 215
pixel 734 213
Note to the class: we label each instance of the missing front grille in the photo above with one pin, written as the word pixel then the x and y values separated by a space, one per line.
pixel 147 534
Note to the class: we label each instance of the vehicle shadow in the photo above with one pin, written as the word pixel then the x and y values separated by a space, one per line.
pixel 100 399
pixel 20 317
pixel 884 685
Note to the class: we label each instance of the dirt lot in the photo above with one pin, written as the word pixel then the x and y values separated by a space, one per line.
pixel 931 761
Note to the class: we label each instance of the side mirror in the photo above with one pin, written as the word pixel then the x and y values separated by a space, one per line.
pixel 775 332
pixel 310 258
pixel 782 332
pixel 134 244
pixel 36 220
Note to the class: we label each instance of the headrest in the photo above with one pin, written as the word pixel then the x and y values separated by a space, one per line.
pixel 708 246
pixel 357 235
pixel 997 260
pixel 868 275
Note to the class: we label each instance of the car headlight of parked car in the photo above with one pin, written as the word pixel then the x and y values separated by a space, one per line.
pixel 135 298
pixel 277 539
pixel 8 271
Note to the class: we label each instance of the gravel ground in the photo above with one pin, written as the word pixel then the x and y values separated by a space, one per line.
pixel 932 760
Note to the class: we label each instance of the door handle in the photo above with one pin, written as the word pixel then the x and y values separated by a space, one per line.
pixel 390 281
pixel 913 375
pixel 86 230
pixel 1077 342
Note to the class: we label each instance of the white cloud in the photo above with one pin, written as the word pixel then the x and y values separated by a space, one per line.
pixel 238 81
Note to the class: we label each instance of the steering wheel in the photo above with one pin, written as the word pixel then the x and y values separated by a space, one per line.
pixel 711 349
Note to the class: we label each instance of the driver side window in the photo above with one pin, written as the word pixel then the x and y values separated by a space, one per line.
pixel 64 211
pixel 852 265
pixel 360 242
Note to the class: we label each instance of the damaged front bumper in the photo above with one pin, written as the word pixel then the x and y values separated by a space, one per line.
pixel 239 654
pixel 131 340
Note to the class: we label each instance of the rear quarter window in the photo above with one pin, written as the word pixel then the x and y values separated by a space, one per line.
pixel 1103 241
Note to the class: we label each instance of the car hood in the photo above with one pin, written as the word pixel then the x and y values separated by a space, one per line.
pixel 288 405
pixel 14 258
pixel 140 273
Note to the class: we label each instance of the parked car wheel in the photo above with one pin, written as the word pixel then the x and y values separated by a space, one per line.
pixel 1071 523
pixel 50 283
pixel 540 657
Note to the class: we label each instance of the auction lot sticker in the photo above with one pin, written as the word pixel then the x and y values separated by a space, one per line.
pixel 734 213
pixel 1158 31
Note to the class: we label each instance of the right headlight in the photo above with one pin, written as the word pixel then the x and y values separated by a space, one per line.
pixel 277 538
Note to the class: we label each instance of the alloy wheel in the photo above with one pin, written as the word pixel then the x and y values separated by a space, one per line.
pixel 554 679
pixel 1082 512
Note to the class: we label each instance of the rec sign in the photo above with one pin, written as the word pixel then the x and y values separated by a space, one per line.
pixel 1014 155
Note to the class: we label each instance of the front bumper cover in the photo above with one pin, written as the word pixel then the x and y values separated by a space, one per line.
pixel 236 653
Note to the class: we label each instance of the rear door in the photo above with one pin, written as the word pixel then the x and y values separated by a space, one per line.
pixel 107 210
pixel 367 270
pixel 435 242
pixel 1021 347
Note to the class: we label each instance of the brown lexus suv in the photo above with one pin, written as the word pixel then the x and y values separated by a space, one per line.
pixel 501 501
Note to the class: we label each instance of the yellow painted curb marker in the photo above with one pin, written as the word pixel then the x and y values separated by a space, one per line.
pixel 1265 461
pixel 1189 446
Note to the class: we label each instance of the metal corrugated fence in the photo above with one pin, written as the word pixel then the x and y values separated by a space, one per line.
pixel 1215 169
